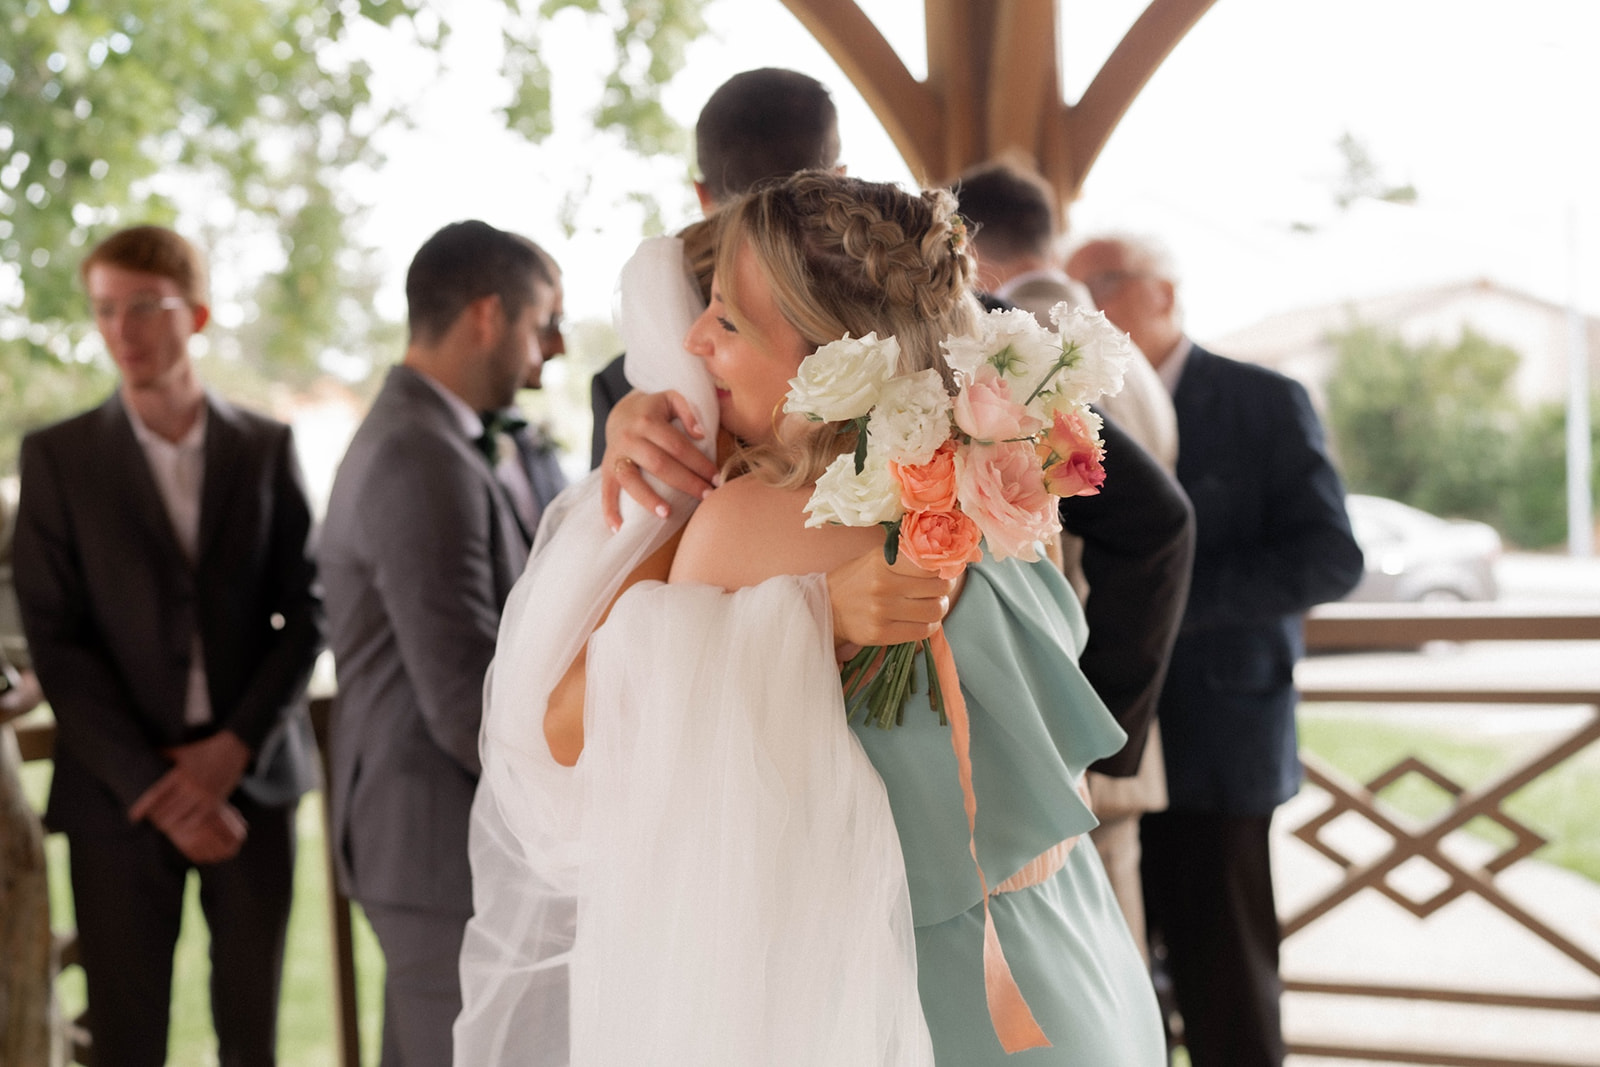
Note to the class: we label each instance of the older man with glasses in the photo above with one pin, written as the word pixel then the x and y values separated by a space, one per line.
pixel 1272 540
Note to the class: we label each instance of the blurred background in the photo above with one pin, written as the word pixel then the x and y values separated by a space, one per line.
pixel 1396 203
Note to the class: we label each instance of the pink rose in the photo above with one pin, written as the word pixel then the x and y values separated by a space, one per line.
pixel 929 486
pixel 943 541
pixel 986 412
pixel 1001 488
pixel 1071 455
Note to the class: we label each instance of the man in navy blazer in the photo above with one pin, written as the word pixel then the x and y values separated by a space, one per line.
pixel 1272 540
pixel 168 595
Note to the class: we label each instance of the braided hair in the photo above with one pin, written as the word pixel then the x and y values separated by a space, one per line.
pixel 846 256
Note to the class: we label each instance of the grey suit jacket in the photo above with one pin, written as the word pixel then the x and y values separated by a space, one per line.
pixel 110 605
pixel 419 550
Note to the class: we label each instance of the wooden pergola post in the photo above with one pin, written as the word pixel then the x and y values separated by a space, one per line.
pixel 992 84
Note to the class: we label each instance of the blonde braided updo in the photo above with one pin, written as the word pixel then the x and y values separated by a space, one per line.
pixel 845 256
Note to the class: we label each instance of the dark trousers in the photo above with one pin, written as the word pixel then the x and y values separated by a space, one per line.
pixel 127 889
pixel 421 985
pixel 1213 921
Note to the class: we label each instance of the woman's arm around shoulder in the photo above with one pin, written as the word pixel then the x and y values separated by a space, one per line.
pixel 746 532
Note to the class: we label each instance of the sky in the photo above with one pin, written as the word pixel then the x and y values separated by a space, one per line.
pixel 1228 155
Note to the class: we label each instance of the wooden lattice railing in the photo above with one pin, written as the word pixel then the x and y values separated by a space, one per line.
pixel 1367 626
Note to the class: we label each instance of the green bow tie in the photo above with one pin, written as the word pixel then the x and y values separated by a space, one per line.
pixel 495 423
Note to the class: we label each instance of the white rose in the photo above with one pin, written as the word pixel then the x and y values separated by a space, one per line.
pixel 912 418
pixel 841 380
pixel 1101 359
pixel 852 499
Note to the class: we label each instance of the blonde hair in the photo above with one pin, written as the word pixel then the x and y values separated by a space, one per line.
pixel 845 256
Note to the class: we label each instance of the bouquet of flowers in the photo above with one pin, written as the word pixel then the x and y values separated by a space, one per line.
pixel 947 475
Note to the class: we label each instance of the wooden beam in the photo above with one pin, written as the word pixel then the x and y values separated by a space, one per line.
pixel 908 109
pixel 958 38
pixel 1405 626
pixel 1022 83
pixel 1142 49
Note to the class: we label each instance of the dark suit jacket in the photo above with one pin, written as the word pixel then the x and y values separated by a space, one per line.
pixel 110 605
pixel 1138 544
pixel 418 552
pixel 605 389
pixel 1273 540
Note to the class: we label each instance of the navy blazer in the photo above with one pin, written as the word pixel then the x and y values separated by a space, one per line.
pixel 1272 540
pixel 110 605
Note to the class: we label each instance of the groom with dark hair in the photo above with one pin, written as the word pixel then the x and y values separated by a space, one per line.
pixel 421 545
pixel 758 125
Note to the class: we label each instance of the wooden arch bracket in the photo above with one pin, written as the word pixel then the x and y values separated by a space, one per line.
pixel 992 85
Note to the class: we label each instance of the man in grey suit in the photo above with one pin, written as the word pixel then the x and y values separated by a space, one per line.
pixel 168 595
pixel 420 547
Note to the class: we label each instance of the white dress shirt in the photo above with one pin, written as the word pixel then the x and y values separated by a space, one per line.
pixel 178 468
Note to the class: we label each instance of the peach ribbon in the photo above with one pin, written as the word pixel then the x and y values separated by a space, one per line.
pixel 1013 1020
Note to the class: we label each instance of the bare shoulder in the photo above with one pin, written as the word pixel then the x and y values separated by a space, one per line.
pixel 746 532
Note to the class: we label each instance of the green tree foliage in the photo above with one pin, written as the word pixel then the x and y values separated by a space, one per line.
pixel 1437 426
pixel 1362 177
pixel 244 118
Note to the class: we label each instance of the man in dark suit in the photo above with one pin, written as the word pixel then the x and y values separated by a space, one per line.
pixel 759 124
pixel 1273 540
pixel 168 596
pixel 420 547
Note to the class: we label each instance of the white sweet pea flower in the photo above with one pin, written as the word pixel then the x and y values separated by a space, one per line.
pixel 1024 352
pixel 912 418
pixel 966 352
pixel 842 379
pixel 842 496
pixel 1097 354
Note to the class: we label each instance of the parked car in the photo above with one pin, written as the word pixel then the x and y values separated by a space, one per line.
pixel 1412 555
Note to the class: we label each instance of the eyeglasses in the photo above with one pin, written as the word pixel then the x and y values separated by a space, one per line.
pixel 138 309
pixel 1108 283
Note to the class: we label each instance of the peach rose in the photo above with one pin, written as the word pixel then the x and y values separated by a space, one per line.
pixel 1071 454
pixel 986 412
pixel 943 541
pixel 929 486
pixel 1001 488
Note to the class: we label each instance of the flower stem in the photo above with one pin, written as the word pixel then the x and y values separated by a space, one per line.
pixel 1067 359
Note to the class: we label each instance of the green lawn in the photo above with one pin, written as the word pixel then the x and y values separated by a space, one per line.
pixel 1564 806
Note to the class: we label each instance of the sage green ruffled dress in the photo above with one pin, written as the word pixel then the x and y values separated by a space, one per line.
pixel 1016 632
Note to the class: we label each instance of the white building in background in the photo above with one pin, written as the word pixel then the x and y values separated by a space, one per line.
pixel 1297 343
